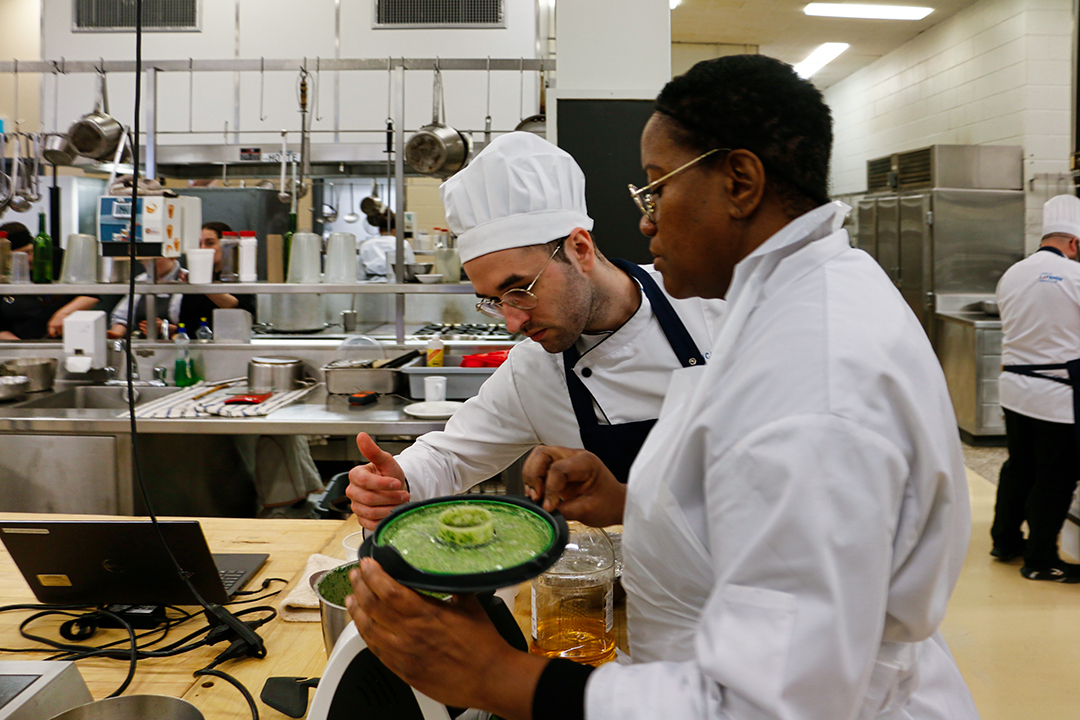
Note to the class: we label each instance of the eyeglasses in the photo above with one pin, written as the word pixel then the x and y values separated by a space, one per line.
pixel 643 197
pixel 518 298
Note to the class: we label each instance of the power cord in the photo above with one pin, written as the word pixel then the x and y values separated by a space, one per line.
pixel 249 644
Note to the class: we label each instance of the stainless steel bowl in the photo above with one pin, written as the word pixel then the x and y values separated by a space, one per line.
pixel 335 618
pixel 134 707
pixel 41 371
pixel 274 374
pixel 13 387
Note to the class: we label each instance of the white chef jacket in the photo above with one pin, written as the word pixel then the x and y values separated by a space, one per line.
pixel 525 402
pixel 1039 300
pixel 794 558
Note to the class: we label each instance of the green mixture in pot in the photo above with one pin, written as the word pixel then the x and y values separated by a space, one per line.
pixel 519 536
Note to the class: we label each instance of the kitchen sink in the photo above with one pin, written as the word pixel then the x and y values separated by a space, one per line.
pixel 90 397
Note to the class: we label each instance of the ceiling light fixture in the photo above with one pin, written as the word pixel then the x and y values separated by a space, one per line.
pixel 674 3
pixel 821 57
pixel 868 12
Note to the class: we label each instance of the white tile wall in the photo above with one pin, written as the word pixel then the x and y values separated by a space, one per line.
pixel 998 72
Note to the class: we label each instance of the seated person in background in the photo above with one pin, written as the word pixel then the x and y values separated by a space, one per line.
pixel 373 264
pixel 166 270
pixel 195 307
pixel 34 317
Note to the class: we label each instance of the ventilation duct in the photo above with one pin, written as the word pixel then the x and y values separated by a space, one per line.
pixel 439 14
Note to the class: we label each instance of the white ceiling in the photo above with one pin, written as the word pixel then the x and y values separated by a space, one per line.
pixel 780 29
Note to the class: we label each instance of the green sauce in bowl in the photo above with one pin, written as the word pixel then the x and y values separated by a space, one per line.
pixel 519 536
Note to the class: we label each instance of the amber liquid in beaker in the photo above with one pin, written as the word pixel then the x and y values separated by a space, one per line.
pixel 572 619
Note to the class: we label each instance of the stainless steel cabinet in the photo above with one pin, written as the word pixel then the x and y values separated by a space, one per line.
pixel 59 473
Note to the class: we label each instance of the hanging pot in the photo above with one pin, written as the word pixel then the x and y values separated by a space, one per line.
pixel 437 149
pixel 58 150
pixel 96 134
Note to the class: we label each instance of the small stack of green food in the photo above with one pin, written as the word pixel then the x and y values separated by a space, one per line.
pixel 467 537
pixel 335 585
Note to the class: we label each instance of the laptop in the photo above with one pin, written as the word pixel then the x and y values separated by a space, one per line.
pixel 105 562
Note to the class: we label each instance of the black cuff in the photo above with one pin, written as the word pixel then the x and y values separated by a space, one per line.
pixel 560 692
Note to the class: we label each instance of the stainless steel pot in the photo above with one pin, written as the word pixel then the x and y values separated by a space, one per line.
pixel 436 149
pixel 13 387
pixel 58 150
pixel 40 371
pixel 296 313
pixel 97 134
pixel 535 124
pixel 274 374
pixel 334 617
pixel 134 707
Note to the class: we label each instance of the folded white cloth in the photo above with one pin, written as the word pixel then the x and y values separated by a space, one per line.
pixel 302 604
pixel 205 399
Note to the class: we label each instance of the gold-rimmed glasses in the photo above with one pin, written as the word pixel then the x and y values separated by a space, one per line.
pixel 643 197
pixel 519 298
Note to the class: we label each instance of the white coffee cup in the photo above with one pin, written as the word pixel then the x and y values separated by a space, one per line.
pixel 200 266
pixel 435 388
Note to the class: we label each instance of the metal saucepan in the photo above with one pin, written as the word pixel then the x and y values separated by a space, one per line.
pixel 134 707
pixel 274 374
pixel 96 134
pixel 58 150
pixel 40 371
pixel 13 387
pixel 436 149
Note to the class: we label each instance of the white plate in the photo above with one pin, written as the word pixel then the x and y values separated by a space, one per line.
pixel 433 410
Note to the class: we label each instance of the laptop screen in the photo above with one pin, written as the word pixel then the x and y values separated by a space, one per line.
pixel 101 562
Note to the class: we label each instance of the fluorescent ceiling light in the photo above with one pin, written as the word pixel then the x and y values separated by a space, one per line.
pixel 674 3
pixel 821 57
pixel 869 12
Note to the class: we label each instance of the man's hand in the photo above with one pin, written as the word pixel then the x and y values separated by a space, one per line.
pixel 448 650
pixel 576 483
pixel 377 488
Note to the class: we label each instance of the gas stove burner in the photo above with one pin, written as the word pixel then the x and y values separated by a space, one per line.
pixel 466 331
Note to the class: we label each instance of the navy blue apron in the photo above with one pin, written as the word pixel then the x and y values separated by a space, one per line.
pixel 618 445
pixel 1072 367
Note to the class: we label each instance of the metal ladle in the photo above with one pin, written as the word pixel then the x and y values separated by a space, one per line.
pixel 352 216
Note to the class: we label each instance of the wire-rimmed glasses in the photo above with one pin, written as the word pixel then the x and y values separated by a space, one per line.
pixel 643 197
pixel 518 298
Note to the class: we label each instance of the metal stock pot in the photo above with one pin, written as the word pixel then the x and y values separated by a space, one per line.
pixel 274 374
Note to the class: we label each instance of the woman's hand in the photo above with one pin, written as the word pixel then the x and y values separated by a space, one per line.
pixel 448 650
pixel 576 483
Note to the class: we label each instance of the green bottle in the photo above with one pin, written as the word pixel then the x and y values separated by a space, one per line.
pixel 43 254
pixel 288 243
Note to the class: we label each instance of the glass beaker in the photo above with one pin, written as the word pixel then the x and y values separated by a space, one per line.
pixel 572 613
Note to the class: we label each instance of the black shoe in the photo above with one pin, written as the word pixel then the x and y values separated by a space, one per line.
pixel 1062 573
pixel 1006 555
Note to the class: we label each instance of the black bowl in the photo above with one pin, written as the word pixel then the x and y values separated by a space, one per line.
pixel 396 566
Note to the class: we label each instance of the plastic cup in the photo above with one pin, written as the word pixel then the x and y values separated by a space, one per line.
pixel 435 388
pixel 200 266
pixel 341 258
pixel 80 260
pixel 352 543
pixel 305 256
pixel 20 267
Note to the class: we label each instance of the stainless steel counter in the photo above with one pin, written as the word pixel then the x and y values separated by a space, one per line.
pixel 317 414
pixel 968 345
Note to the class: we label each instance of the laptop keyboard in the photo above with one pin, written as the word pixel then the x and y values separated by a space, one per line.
pixel 231 579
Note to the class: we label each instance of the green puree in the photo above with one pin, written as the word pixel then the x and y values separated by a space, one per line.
pixel 519 536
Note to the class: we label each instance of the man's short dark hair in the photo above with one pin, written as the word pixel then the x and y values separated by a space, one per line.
pixel 218 227
pixel 760 104
pixel 18 234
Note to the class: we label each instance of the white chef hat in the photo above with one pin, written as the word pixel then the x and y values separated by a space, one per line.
pixel 520 190
pixel 1061 214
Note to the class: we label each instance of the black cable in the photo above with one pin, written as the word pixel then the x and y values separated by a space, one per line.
pixel 235 683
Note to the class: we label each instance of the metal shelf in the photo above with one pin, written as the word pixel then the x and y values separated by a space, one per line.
pixel 238 288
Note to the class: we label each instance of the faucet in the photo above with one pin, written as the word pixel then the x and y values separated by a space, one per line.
pixel 113 374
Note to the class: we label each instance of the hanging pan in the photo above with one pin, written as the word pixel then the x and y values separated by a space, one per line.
pixel 467 544
pixel 96 134
pixel 436 149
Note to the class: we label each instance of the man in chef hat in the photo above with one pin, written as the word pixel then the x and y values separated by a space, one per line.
pixel 1039 301
pixel 602 335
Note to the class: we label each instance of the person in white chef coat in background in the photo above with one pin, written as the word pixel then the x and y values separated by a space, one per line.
pixel 603 337
pixel 1039 301
pixel 797 519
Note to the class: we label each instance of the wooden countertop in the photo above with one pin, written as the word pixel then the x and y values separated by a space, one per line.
pixel 293 648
